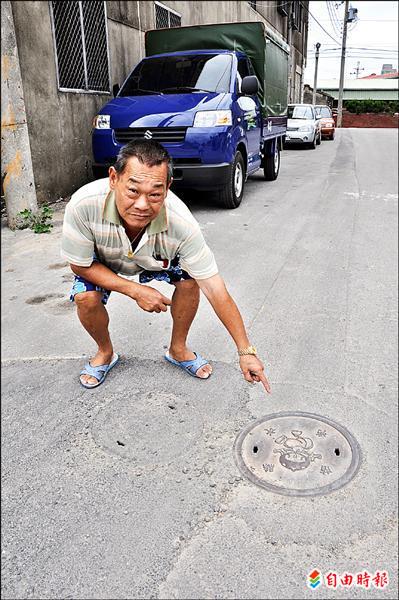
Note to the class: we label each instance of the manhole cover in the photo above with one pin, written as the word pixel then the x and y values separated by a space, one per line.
pixel 151 428
pixel 297 454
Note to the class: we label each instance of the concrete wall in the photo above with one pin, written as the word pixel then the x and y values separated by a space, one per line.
pixel 59 123
pixel 126 41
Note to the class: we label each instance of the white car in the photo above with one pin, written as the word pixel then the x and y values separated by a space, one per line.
pixel 303 125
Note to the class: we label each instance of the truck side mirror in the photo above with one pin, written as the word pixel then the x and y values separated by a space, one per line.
pixel 115 89
pixel 249 85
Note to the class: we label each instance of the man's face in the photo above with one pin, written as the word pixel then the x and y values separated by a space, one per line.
pixel 139 191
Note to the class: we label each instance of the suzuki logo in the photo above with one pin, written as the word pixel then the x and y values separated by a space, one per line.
pixel 148 135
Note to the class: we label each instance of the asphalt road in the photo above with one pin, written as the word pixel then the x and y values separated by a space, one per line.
pixel 131 490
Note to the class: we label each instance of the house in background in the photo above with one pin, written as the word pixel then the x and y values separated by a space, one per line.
pixel 361 89
pixel 71 54
pixel 387 69
pixel 321 97
pixel 388 75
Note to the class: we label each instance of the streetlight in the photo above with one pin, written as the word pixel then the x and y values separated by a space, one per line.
pixel 315 72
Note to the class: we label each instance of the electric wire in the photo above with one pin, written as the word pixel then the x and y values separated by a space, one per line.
pixel 319 24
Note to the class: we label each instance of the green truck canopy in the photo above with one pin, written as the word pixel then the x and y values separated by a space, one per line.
pixel 267 51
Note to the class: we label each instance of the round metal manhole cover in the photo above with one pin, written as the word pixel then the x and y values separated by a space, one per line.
pixel 297 454
pixel 147 429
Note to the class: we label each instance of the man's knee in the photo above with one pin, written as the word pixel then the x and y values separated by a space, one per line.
pixel 187 285
pixel 88 300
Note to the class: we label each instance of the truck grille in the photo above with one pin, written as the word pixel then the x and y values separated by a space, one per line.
pixel 160 134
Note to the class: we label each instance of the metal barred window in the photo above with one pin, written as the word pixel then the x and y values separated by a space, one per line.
pixel 166 17
pixel 297 17
pixel 81 46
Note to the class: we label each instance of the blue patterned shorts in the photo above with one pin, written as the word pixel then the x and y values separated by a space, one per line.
pixel 172 275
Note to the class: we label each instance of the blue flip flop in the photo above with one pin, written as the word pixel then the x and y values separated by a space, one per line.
pixel 190 366
pixel 99 372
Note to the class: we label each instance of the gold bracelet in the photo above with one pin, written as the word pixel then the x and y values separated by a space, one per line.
pixel 249 350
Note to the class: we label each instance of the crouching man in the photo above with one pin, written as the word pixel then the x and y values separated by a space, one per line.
pixel 131 224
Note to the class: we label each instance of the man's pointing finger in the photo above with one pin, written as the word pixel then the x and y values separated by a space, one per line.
pixel 265 383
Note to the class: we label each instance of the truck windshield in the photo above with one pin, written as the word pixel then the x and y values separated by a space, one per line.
pixel 300 112
pixel 179 75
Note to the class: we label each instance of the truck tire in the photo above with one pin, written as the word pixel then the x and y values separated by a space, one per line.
pixel 99 172
pixel 271 164
pixel 231 195
pixel 312 145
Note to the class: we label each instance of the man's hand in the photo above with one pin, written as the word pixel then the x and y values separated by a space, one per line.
pixel 150 300
pixel 252 369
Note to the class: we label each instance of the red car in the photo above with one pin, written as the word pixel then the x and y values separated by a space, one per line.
pixel 327 122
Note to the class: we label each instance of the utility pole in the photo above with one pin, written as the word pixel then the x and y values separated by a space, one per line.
pixel 341 77
pixel 315 72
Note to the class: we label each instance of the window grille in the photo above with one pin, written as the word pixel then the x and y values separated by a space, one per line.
pixel 297 16
pixel 165 17
pixel 81 47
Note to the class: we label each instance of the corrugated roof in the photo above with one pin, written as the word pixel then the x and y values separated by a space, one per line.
pixel 359 84
pixel 393 75
pixel 366 94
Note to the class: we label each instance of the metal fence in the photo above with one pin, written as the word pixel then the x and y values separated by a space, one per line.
pixel 81 46
pixel 165 17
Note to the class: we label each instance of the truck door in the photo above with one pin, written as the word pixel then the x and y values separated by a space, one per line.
pixel 250 115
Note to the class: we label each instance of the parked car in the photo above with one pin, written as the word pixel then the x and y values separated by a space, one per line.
pixel 303 126
pixel 218 112
pixel 327 122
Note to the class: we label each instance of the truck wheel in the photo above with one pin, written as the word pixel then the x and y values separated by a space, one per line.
pixel 312 145
pixel 231 195
pixel 272 165
pixel 99 172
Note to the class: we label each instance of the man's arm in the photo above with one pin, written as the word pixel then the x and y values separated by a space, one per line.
pixel 148 298
pixel 226 309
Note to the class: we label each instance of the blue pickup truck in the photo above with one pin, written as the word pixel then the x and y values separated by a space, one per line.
pixel 214 95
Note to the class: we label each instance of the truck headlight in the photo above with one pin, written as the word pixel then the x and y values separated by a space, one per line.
pixel 102 122
pixel 212 118
pixel 305 128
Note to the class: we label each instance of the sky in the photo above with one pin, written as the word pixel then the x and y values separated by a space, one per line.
pixel 372 41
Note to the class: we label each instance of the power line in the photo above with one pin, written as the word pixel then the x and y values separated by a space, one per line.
pixel 334 20
pixel 370 49
pixel 310 58
pixel 382 20
pixel 371 20
pixel 319 24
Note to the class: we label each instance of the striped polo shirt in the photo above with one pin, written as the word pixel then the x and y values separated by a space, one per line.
pixel 92 225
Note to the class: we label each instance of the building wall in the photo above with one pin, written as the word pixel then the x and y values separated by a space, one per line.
pixel 59 123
